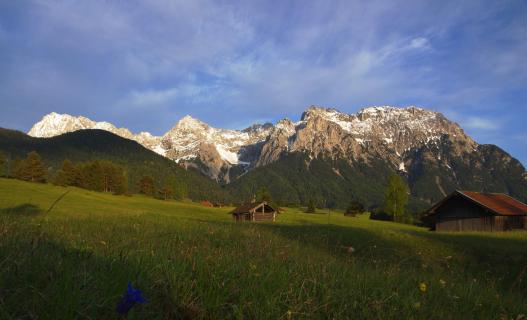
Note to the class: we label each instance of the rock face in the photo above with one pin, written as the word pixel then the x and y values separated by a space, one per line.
pixel 433 153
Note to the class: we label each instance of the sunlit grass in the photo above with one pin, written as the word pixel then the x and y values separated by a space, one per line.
pixel 190 261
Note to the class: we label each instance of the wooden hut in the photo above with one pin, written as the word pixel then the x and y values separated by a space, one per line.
pixel 475 211
pixel 255 211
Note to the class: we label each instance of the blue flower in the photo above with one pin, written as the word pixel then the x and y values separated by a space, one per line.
pixel 129 299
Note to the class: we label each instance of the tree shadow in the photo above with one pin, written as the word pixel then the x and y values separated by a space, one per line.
pixel 497 256
pixel 42 277
pixel 350 241
pixel 25 209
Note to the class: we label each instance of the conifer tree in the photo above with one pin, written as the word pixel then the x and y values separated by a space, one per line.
pixel 93 176
pixel 66 175
pixel 79 179
pixel 60 179
pixel 146 185
pixel 396 197
pixel 118 180
pixel 32 168
pixel 70 172
pixel 166 192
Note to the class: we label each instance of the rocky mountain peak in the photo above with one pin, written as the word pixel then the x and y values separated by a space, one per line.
pixel 318 111
pixel 190 123
pixel 257 127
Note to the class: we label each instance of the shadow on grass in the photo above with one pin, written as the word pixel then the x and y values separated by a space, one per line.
pixel 25 209
pixel 498 256
pixel 347 241
pixel 43 278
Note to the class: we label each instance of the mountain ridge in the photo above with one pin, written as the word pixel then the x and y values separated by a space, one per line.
pixel 191 139
pixel 344 151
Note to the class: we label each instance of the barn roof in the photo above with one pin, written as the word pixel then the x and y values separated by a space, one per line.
pixel 244 208
pixel 498 203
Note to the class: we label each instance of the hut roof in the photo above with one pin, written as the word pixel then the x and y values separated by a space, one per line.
pixel 247 207
pixel 498 203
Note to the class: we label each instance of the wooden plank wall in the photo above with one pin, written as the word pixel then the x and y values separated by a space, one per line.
pixel 497 223
pixel 263 216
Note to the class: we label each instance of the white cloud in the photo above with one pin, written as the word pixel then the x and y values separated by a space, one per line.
pixel 481 123
pixel 420 43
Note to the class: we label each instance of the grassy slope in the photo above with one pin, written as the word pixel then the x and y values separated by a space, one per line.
pixel 76 260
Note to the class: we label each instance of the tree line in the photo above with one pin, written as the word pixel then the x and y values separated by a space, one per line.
pixel 394 206
pixel 102 176
pixel 96 175
pixel 106 176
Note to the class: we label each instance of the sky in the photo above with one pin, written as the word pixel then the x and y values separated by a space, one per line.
pixel 145 64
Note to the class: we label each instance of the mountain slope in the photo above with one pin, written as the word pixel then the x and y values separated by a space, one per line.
pixel 86 145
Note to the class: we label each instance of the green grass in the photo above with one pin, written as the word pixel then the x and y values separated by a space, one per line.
pixel 195 262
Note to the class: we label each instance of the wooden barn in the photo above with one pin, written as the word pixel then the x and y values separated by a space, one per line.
pixel 475 211
pixel 256 211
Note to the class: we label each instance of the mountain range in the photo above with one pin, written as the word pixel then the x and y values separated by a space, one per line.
pixel 329 155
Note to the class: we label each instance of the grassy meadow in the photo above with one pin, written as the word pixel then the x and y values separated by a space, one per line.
pixel 75 260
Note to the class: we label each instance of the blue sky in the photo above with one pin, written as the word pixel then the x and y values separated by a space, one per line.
pixel 145 64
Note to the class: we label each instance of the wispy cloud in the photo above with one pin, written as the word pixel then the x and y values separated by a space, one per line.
pixel 481 123
pixel 420 43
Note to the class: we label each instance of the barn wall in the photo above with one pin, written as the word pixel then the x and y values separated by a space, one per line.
pixel 493 223
pixel 468 224
pixel 263 216
pixel 459 207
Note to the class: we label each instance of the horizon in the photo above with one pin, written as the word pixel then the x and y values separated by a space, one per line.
pixel 144 65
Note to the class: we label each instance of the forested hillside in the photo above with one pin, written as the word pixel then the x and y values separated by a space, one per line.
pixel 88 145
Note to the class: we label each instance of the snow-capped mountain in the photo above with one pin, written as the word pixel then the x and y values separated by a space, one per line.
pixel 54 124
pixel 189 142
pixel 398 136
pixel 329 154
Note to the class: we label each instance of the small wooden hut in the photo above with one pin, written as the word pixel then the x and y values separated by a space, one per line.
pixel 475 211
pixel 255 211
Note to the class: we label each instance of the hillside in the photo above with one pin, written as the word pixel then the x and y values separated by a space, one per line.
pixel 195 262
pixel 86 145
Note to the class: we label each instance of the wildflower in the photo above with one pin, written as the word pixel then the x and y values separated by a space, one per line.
pixel 351 249
pixel 129 299
pixel 442 283
pixel 422 287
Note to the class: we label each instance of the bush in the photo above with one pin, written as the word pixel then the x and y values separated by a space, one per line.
pixel 380 215
pixel 354 208
pixel 311 208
